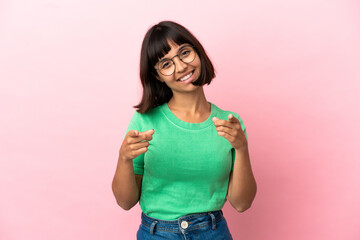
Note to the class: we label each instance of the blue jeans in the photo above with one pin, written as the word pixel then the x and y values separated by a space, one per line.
pixel 199 226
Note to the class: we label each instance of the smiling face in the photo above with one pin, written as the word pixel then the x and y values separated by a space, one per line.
pixel 184 74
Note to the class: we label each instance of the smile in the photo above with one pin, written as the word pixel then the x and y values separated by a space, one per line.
pixel 186 77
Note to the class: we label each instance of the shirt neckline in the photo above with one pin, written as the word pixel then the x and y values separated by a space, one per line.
pixel 192 126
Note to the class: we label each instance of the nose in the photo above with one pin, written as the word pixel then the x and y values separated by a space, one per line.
pixel 180 66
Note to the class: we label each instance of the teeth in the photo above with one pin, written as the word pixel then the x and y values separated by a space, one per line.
pixel 186 77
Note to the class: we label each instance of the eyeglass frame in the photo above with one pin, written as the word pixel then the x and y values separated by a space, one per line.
pixel 177 55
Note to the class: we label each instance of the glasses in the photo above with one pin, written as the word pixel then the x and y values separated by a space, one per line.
pixel 167 66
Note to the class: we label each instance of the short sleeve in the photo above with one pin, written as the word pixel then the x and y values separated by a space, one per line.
pixel 244 130
pixel 138 162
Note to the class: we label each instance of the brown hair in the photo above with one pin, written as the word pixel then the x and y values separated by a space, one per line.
pixel 154 46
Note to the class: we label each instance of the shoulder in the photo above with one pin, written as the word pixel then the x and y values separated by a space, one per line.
pixel 147 117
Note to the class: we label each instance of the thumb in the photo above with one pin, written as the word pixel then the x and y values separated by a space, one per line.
pixel 134 133
pixel 232 118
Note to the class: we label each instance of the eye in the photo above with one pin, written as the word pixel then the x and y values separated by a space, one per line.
pixel 165 64
pixel 185 52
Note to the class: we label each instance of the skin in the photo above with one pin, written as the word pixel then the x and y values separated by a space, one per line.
pixel 242 185
pixel 126 185
pixel 189 104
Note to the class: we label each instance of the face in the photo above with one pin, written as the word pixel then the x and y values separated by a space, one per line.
pixel 184 73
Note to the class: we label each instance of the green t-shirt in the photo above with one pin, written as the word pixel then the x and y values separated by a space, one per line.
pixel 187 166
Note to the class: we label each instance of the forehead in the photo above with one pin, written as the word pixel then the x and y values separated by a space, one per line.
pixel 161 47
pixel 174 48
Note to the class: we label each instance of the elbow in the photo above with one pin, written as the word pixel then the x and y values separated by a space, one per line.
pixel 243 205
pixel 125 206
pixel 243 208
pixel 246 204
pixel 240 207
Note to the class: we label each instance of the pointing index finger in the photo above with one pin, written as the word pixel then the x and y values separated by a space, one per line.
pixel 220 122
pixel 215 119
pixel 147 134
pixel 151 131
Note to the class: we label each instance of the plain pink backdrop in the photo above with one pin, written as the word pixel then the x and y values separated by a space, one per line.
pixel 69 78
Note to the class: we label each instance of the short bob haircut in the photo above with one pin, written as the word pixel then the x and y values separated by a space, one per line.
pixel 154 46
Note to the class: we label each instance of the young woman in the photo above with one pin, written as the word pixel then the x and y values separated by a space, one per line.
pixel 182 156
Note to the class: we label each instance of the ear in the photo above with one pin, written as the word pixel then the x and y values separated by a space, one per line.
pixel 157 77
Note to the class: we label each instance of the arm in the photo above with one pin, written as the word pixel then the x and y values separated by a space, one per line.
pixel 242 185
pixel 126 186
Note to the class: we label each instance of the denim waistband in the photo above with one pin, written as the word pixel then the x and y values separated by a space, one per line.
pixel 184 223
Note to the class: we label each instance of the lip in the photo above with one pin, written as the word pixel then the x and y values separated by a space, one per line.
pixel 192 71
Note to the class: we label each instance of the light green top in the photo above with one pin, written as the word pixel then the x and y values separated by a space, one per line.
pixel 187 166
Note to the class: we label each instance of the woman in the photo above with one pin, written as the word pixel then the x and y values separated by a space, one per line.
pixel 182 156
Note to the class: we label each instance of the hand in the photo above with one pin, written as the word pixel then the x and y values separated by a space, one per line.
pixel 135 143
pixel 232 131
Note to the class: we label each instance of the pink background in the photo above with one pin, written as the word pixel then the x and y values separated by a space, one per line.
pixel 69 79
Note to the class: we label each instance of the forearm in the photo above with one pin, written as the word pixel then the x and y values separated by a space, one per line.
pixel 242 186
pixel 124 184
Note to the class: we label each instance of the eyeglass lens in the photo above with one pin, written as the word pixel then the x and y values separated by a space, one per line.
pixel 186 54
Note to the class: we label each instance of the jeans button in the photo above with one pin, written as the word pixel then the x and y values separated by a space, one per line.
pixel 184 224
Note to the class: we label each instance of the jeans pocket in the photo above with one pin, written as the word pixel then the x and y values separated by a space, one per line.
pixel 221 232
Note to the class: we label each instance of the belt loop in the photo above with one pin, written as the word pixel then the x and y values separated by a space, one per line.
pixel 152 226
pixel 213 220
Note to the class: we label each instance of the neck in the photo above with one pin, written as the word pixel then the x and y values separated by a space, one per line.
pixel 191 103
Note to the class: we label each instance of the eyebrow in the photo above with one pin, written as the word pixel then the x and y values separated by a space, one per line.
pixel 181 46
